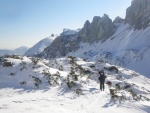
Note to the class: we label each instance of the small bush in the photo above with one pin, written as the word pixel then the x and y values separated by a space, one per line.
pixel 112 68
pixel 79 91
pixel 7 64
pixel 23 83
pixel 37 81
pixel 12 74
pixel 71 84
pixel 14 57
pixel 118 87
pixel 127 86
pixel 35 60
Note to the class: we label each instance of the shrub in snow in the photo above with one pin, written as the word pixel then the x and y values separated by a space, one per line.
pixel 14 57
pixel 12 74
pixel 52 79
pixel 79 91
pixel 92 66
pixel 23 68
pixel 37 81
pixel 118 87
pixel 112 69
pixel 23 83
pixel 127 86
pixel 22 63
pixel 7 64
pixel 35 60
pixel 117 95
pixel 109 84
pixel 73 75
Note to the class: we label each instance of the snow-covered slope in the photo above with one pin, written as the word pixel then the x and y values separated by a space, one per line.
pixel 69 85
pixel 127 47
pixel 18 51
pixel 40 46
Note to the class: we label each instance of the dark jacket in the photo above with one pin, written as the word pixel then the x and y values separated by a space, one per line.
pixel 102 79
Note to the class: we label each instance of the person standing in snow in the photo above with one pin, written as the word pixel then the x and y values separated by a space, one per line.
pixel 102 80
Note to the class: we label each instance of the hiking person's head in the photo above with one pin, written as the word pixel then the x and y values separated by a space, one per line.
pixel 101 72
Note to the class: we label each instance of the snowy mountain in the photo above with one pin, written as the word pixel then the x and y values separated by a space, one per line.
pixel 69 32
pixel 63 74
pixel 18 51
pixel 123 42
pixel 40 46
pixel 69 85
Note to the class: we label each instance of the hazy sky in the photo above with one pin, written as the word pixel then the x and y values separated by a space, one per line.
pixel 25 22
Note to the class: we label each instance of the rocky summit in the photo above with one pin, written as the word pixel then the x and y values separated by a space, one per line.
pixel 138 14
pixel 99 29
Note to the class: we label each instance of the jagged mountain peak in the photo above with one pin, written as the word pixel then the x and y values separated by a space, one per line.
pixel 69 32
pixel 118 20
pixel 96 19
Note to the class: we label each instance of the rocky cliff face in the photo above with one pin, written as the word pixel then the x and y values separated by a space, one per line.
pixel 99 29
pixel 138 14
pixel 118 20
pixel 61 46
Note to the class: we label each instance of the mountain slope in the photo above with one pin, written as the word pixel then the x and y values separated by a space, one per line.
pixel 124 42
pixel 126 47
pixel 40 46
pixel 76 83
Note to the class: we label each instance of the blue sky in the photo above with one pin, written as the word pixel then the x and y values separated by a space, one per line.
pixel 25 22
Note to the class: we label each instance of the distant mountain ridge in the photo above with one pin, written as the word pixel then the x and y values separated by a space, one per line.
pixel 40 46
pixel 18 51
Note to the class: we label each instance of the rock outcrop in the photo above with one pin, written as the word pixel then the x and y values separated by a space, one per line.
pixel 99 29
pixel 138 14
pixel 118 20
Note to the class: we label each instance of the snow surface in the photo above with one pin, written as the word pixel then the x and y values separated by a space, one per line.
pixel 56 98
